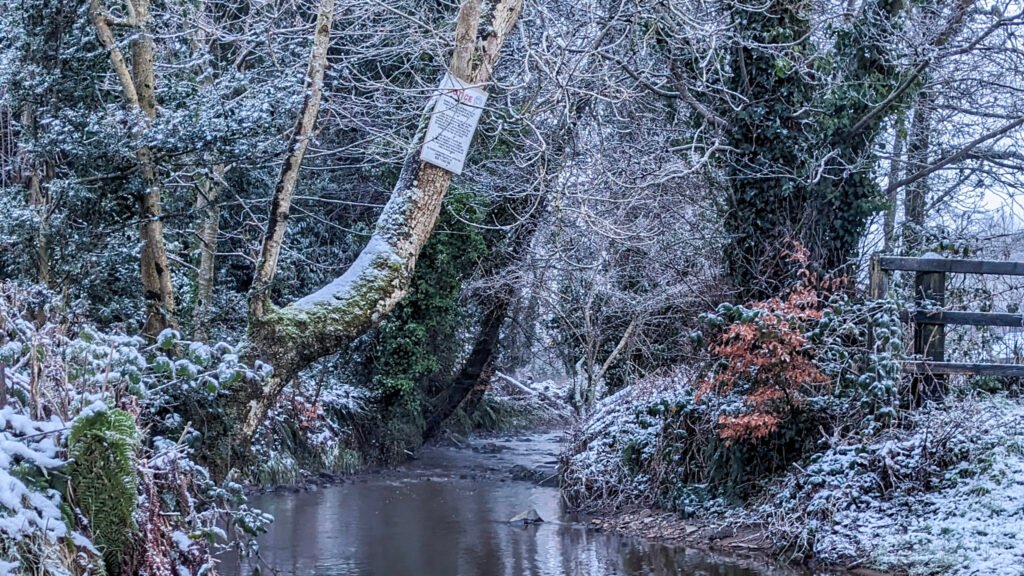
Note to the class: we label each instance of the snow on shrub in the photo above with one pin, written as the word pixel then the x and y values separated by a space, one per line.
pixel 27 448
pixel 612 460
pixel 58 374
pixel 943 495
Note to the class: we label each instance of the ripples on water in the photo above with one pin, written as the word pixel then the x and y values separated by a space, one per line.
pixel 444 526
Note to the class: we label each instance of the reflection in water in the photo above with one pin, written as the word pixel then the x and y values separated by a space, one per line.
pixel 447 527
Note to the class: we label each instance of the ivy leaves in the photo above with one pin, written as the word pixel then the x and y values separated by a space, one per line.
pixel 802 162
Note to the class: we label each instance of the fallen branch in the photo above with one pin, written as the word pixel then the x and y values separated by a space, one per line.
pixel 515 383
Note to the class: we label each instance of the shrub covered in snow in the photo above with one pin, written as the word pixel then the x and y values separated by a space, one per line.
pixel 31 519
pixel 943 494
pixel 77 475
pixel 619 454
pixel 936 490
pixel 778 374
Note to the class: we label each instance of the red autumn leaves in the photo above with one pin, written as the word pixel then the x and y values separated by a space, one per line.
pixel 766 358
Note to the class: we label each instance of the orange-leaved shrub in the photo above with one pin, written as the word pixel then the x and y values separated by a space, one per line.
pixel 763 356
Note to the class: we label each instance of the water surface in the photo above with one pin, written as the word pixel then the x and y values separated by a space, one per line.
pixel 447 515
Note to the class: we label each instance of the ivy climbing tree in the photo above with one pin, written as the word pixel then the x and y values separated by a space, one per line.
pixel 801 166
pixel 414 351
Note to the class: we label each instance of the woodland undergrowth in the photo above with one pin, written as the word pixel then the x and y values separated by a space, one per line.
pixel 799 420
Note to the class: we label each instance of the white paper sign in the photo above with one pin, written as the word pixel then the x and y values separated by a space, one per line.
pixel 457 110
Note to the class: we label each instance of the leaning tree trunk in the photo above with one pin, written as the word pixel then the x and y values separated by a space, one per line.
pixel 471 383
pixel 328 320
pixel 469 386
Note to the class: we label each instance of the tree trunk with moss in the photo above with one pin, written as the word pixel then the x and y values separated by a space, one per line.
pixel 802 157
pixel 322 323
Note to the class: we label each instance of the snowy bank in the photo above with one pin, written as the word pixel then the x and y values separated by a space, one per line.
pixel 943 495
pixel 614 459
pixel 940 493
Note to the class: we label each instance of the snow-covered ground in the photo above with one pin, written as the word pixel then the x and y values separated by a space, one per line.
pixel 946 497
pixel 943 493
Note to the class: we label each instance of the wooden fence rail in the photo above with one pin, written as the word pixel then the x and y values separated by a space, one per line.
pixel 930 320
pixel 952 265
pixel 964 318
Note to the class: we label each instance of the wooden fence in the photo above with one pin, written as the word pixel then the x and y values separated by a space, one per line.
pixel 930 325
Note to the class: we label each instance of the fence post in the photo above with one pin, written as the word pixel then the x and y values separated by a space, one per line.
pixel 929 339
pixel 878 279
pixel 878 285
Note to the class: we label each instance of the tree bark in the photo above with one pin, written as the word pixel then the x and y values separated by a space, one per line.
pixel 138 86
pixel 916 194
pixel 39 201
pixel 156 271
pixel 889 224
pixel 266 266
pixel 209 226
pixel 326 321
pixel 106 37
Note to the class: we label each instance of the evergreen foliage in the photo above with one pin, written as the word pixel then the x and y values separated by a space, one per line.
pixel 803 162
pixel 103 481
pixel 415 352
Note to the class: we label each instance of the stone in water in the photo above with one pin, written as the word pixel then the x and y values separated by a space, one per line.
pixel 529 517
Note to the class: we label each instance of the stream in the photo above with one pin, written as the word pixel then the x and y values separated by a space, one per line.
pixel 447 514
